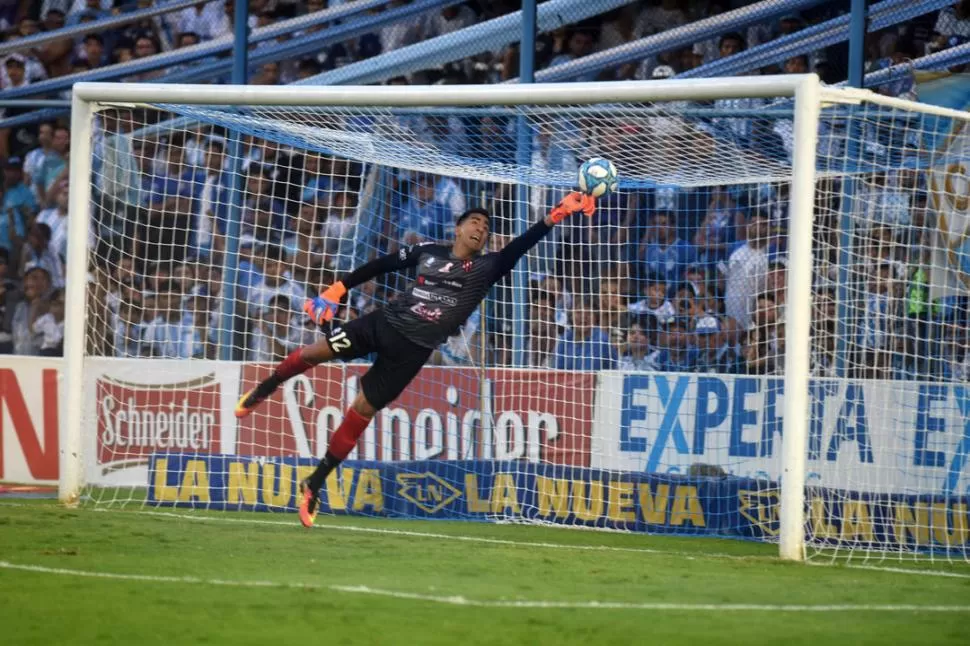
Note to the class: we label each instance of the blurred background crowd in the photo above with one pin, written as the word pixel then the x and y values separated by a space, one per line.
pixel 665 278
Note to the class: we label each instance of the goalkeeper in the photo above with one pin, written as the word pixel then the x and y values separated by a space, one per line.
pixel 451 282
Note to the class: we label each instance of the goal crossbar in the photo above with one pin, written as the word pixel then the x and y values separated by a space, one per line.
pixel 550 93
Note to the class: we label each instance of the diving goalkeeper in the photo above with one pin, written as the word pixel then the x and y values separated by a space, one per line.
pixel 451 282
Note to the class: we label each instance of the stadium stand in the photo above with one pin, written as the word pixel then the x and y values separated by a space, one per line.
pixel 691 279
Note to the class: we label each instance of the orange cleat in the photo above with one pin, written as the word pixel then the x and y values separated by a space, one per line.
pixel 309 502
pixel 253 398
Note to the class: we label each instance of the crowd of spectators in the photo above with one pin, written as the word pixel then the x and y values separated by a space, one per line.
pixel 668 278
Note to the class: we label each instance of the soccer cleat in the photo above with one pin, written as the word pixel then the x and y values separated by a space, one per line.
pixel 253 398
pixel 309 502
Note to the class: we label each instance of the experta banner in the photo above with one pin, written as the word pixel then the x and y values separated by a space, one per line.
pixel 873 436
pixel 445 413
pixel 492 490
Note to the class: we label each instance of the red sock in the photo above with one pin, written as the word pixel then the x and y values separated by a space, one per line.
pixel 345 437
pixel 291 366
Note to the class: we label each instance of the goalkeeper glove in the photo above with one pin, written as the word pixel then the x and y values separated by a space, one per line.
pixel 324 307
pixel 573 203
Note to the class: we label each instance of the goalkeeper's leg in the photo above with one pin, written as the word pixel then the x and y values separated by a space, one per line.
pixel 351 341
pixel 398 362
pixel 342 442
pixel 296 363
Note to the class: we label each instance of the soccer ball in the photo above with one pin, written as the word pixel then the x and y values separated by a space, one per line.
pixel 597 177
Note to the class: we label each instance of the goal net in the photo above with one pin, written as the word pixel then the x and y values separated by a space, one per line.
pixel 888 445
pixel 635 371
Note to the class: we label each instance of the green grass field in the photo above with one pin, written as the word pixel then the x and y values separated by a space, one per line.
pixel 132 577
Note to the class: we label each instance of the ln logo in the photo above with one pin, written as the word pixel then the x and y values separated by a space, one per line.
pixel 426 490
pixel 761 508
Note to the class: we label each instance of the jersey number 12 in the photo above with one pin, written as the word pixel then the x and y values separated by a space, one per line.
pixel 339 340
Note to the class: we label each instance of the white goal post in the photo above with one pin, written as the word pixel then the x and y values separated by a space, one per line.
pixel 309 112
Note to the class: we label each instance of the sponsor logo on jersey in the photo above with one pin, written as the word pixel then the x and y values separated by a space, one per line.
pixel 135 420
pixel 432 314
pixel 431 296
pixel 457 284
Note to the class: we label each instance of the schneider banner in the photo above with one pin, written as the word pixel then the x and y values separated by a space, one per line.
pixel 445 414
pixel 490 490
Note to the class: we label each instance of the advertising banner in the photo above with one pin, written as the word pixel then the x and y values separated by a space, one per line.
pixel 134 408
pixel 466 490
pixel 29 419
pixel 495 490
pixel 874 436
pixel 445 414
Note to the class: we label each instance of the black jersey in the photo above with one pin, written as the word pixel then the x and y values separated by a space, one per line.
pixel 443 295
pixel 447 289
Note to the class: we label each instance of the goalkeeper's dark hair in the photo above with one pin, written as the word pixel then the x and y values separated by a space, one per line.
pixel 473 211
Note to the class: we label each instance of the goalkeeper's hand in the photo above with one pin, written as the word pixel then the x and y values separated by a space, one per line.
pixel 324 307
pixel 573 203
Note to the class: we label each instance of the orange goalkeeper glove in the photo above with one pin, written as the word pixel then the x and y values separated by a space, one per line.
pixel 573 203
pixel 324 307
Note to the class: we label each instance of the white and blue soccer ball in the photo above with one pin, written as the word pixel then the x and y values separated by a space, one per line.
pixel 597 177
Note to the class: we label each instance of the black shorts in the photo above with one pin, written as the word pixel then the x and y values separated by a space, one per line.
pixel 398 360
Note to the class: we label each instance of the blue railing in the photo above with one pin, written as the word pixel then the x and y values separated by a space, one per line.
pixel 194 53
pixel 306 44
pixel 485 36
pixel 953 56
pixel 831 32
pixel 96 26
pixel 673 39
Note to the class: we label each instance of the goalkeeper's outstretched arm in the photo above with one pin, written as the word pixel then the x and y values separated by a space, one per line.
pixel 519 246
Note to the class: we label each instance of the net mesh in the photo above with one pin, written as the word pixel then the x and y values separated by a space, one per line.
pixel 628 374
pixel 890 337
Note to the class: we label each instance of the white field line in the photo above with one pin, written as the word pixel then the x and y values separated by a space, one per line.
pixel 510 542
pixel 457 600
pixel 499 541
pixel 451 537
pixel 904 570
